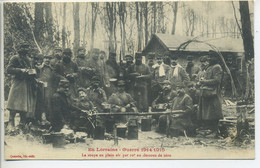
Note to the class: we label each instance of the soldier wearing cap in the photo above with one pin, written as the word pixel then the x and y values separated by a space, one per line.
pixel 165 96
pixel 96 94
pixel 48 85
pixel 94 65
pixel 68 69
pixel 160 73
pixel 204 64
pixel 142 77
pixel 167 58
pixel 127 68
pixel 192 69
pixel 177 74
pixel 121 101
pixel 179 122
pixel 61 108
pixel 113 71
pixel 210 104
pixel 83 79
pixel 22 95
pixel 56 56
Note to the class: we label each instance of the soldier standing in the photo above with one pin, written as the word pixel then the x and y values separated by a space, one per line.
pixel 142 76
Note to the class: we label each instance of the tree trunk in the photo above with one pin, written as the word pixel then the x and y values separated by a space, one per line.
pixel 39 22
pixel 154 17
pixel 94 7
pixel 76 27
pixel 246 30
pixel 63 26
pixel 175 10
pixel 49 21
pixel 146 33
pixel 85 26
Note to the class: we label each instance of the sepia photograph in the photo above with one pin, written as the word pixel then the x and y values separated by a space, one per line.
pixel 128 80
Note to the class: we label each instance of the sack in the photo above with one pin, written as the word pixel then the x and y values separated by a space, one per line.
pixel 209 92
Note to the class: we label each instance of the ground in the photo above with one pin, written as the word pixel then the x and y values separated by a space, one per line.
pixel 150 145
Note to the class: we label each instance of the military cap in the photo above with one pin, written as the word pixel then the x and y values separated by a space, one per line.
pixel 180 86
pixel 203 58
pixel 95 50
pixel 189 58
pixel 67 51
pixel 81 48
pixel 58 48
pixel 81 89
pixel 166 82
pixel 24 46
pixel 121 83
pixel 159 56
pixel 151 55
pixel 47 56
pixel 112 54
pixel 190 84
pixel 64 83
pixel 95 79
pixel 128 55
pixel 174 57
pixel 138 54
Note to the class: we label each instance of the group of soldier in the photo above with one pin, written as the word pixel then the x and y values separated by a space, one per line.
pixel 63 91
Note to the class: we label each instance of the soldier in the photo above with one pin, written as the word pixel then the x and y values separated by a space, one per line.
pixel 22 95
pixel 121 101
pixel 57 56
pixel 192 69
pixel 127 68
pixel 204 65
pixel 96 94
pixel 178 123
pixel 165 96
pixel 93 65
pixel 177 75
pixel 142 76
pixel 160 73
pixel 82 62
pixel 113 71
pixel 47 79
pixel 62 109
pixel 81 121
pixel 210 106
pixel 69 70
pixel 167 58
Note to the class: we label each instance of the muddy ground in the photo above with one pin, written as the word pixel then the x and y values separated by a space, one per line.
pixel 150 145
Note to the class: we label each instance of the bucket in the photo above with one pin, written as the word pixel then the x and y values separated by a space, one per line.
pixel 58 140
pixel 121 131
pixel 146 125
pixel 47 138
pixel 132 132
pixel 99 133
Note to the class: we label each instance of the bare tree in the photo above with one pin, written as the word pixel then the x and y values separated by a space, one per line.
pixel 122 17
pixel 175 11
pixel 146 32
pixel 76 27
pixel 63 26
pixel 49 21
pixel 94 9
pixel 39 22
pixel 85 25
pixel 139 22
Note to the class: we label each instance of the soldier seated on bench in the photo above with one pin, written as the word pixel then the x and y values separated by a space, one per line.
pixel 178 123
pixel 121 101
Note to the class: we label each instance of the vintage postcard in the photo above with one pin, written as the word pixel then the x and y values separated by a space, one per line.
pixel 128 80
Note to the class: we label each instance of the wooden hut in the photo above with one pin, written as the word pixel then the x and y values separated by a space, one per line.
pixel 231 49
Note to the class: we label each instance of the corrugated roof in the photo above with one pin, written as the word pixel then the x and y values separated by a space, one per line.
pixel 223 44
